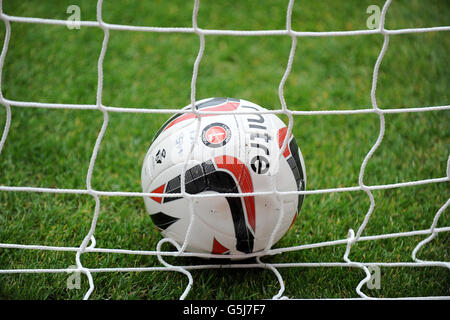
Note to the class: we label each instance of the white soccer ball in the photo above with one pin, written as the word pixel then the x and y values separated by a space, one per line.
pixel 232 154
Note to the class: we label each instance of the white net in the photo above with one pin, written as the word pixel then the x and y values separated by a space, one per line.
pixel 89 244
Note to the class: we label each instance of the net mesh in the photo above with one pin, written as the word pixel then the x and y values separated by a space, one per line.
pixel 89 244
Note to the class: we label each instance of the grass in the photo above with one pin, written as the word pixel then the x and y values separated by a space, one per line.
pixel 52 148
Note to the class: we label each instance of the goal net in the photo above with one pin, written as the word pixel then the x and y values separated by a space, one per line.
pixel 88 245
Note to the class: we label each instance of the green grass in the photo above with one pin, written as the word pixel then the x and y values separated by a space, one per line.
pixel 52 148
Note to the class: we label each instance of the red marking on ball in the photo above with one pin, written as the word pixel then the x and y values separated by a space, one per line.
pixel 216 134
pixel 160 189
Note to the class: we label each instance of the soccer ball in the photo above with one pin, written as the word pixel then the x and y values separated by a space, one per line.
pixel 232 154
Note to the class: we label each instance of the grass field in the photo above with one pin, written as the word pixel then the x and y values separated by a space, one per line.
pixel 52 148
